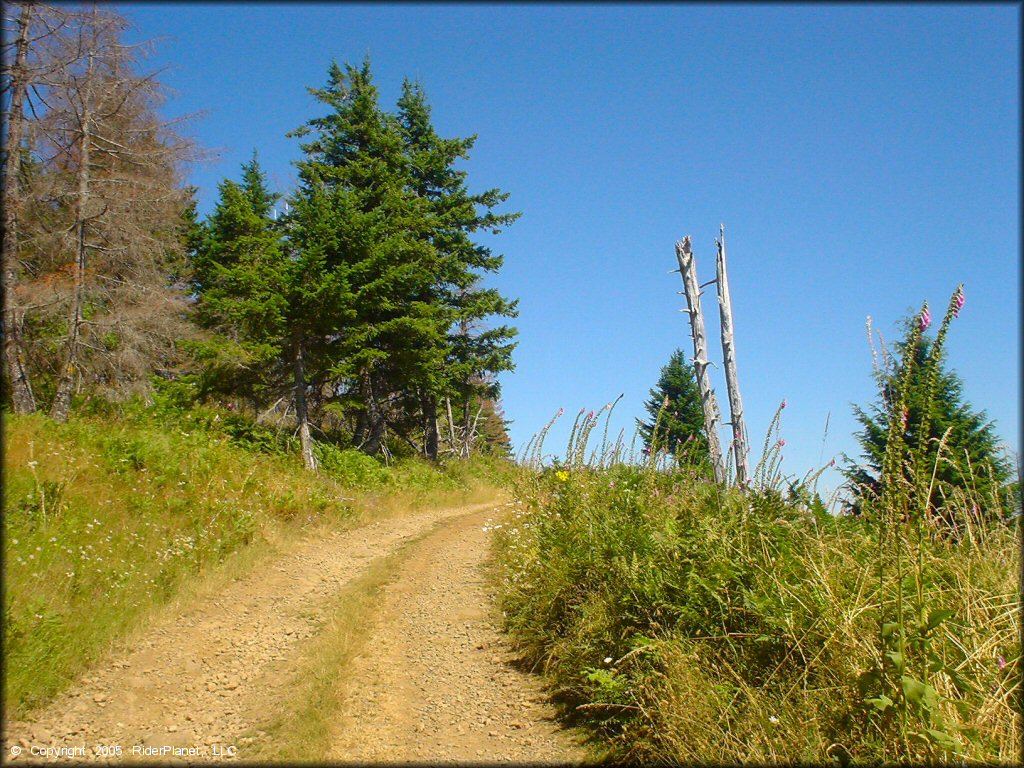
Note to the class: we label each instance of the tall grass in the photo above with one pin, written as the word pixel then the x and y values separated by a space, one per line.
pixel 107 516
pixel 686 622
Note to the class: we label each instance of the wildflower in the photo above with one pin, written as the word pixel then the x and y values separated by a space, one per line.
pixel 926 318
pixel 781 443
pixel 562 475
pixel 832 463
pixel 773 719
pixel 561 411
pixel 903 418
pixel 665 404
pixel 590 415
pixel 784 403
pixel 607 659
pixel 960 300
pixel 1002 663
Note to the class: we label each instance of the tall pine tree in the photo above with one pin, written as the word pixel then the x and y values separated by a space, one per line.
pixel 277 293
pixel 355 166
pixel 472 353
pixel 239 273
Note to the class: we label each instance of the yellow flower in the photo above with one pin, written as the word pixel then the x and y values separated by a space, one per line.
pixel 562 475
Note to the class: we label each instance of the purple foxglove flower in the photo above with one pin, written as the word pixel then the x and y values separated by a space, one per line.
pixel 960 300
pixel 781 443
pixel 926 319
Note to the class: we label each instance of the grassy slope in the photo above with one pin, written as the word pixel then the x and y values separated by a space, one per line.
pixel 107 519
pixel 687 624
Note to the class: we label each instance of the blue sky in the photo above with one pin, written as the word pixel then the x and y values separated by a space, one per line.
pixel 862 158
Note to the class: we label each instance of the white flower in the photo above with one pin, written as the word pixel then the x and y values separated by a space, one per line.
pixel 773 719
pixel 607 659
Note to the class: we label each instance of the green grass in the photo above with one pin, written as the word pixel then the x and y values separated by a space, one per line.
pixel 684 623
pixel 108 517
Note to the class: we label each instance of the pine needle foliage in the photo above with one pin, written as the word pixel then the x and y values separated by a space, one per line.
pixel 925 427
pixel 675 417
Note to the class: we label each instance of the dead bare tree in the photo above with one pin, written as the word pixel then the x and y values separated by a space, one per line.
pixel 740 445
pixel 105 243
pixel 16 83
pixel 28 65
pixel 692 289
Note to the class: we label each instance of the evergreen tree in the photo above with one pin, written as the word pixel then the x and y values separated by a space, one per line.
pixel 354 180
pixel 972 461
pixel 674 406
pixel 240 276
pixel 472 353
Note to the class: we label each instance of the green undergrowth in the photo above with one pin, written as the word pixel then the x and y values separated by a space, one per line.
pixel 686 623
pixel 108 516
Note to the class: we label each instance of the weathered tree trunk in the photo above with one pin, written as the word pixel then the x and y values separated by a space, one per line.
pixel 451 423
pixel 688 270
pixel 301 410
pixel 471 432
pixel 22 399
pixel 739 429
pixel 69 368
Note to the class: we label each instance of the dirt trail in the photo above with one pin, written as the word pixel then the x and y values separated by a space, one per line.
pixel 436 687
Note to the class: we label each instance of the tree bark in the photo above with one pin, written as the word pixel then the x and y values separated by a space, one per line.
pixel 22 398
pixel 688 270
pixel 739 429
pixel 451 423
pixel 301 411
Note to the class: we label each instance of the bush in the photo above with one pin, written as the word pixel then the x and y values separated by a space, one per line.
pixel 351 468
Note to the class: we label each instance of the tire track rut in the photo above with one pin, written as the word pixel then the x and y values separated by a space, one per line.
pixel 439 684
